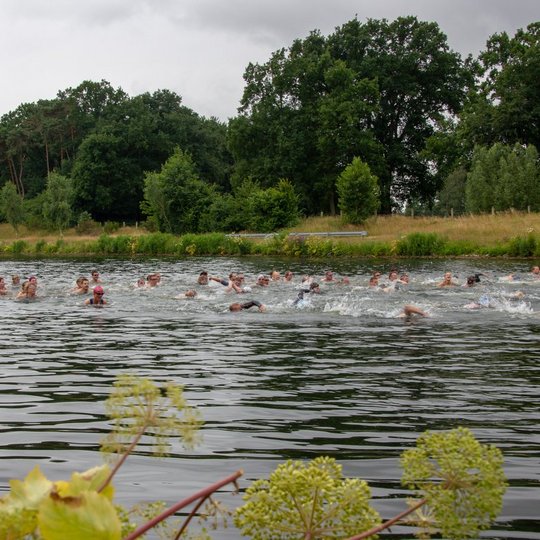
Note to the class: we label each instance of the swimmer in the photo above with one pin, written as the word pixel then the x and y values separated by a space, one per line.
pixel 140 283
pixel 275 275
pixel 15 280
pixel 247 305
pixel 224 282
pixel 262 281
pixel 307 280
pixel 314 288
pixel 288 276
pixel 393 275
pixel 471 282
pixel 3 289
pixel 409 311
pixel 203 278
pixel 404 279
pixel 344 281
pixel 97 297
pixel 373 281
pixel 447 281
pixel 235 285
pixel 484 301
pixel 152 280
pixel 28 291
pixel 535 271
pixel 328 276
pixel 95 277
pixel 82 286
pixel 190 293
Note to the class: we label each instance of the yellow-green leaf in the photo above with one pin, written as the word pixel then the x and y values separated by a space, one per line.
pixel 90 480
pixel 30 492
pixel 90 515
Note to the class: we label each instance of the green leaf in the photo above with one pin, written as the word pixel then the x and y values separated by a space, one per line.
pixel 89 516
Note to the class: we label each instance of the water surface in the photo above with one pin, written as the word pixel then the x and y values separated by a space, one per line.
pixel 339 374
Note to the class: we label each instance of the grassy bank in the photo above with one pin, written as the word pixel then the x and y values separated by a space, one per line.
pixel 509 234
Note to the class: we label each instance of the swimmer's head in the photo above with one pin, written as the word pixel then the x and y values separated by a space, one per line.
pixel 314 287
pixel 235 307
pixel 190 293
pixel 98 290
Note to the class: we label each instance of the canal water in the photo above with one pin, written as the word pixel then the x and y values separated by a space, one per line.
pixel 338 374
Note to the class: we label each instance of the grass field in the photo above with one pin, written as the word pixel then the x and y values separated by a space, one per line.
pixel 481 229
pixel 513 234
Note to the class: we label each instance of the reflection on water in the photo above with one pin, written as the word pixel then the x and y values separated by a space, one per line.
pixel 339 375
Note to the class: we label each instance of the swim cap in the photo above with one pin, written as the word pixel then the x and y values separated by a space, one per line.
pixel 98 289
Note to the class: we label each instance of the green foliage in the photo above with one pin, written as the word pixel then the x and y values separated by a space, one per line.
pixel 377 90
pixel 138 406
pixel 462 481
pixel 310 500
pixel 459 481
pixel 503 177
pixel 420 245
pixel 175 197
pixel 57 204
pixel 273 208
pixel 527 246
pixel 507 108
pixel 110 227
pixel 452 195
pixel 358 192
pixel 11 206
pixel 85 224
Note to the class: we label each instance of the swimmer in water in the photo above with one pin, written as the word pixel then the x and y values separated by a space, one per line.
pixel 535 272
pixel 95 277
pixel 3 289
pixel 484 301
pixel 288 276
pixel 203 278
pixel 409 311
pixel 15 280
pixel 373 281
pixel 97 297
pixel 328 276
pixel 191 293
pixel 82 287
pixel 447 281
pixel 275 275
pixel 152 280
pixel 314 288
pixel 28 291
pixel 247 305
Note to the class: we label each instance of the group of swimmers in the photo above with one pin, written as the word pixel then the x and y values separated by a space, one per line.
pixel 236 283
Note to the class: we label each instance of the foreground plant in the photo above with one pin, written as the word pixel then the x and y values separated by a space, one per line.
pixel 83 508
pixel 458 481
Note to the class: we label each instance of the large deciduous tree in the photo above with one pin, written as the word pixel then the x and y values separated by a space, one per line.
pixel 506 108
pixel 377 90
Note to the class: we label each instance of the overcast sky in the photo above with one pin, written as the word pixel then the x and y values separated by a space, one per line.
pixel 200 48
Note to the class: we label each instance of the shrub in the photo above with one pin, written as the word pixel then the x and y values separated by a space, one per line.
pixel 420 245
pixel 358 192
pixel 86 225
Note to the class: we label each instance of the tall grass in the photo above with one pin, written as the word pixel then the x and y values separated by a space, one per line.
pixel 509 234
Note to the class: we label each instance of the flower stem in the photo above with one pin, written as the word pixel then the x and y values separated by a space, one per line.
pixel 203 493
pixel 389 523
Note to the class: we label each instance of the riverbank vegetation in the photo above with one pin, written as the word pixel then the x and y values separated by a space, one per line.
pixel 379 116
pixel 508 235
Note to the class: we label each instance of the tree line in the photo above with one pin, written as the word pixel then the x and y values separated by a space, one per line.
pixel 377 116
